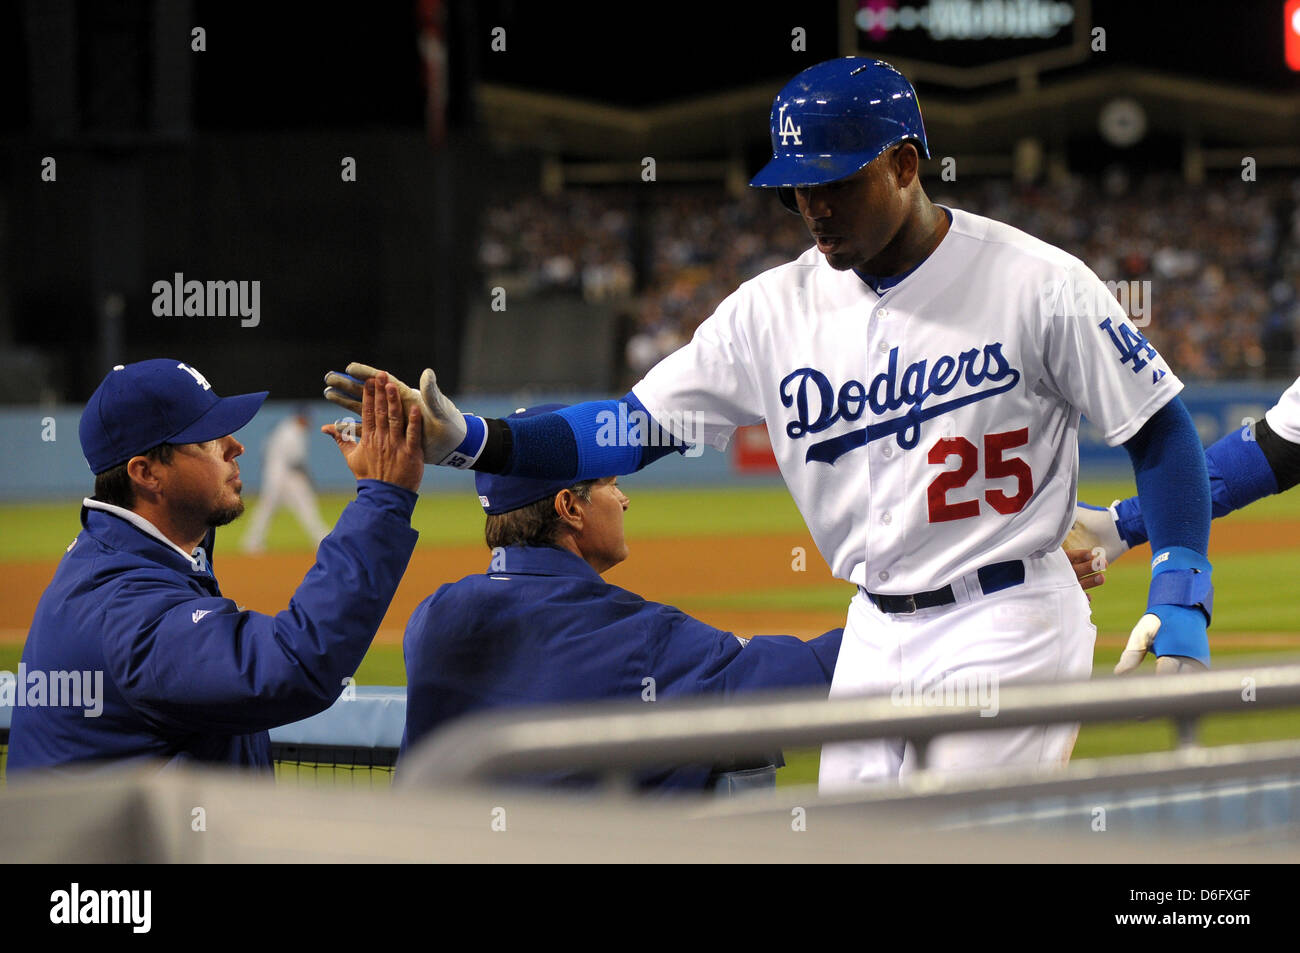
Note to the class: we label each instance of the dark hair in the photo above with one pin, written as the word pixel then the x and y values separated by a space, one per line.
pixel 114 486
pixel 536 524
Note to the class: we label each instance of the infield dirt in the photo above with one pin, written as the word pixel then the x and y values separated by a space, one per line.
pixel 687 573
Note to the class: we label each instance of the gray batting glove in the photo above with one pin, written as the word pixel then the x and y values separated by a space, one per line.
pixel 346 391
pixel 444 425
pixel 1095 528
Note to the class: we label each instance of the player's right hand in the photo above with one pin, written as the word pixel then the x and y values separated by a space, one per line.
pixel 443 425
pixel 1095 528
pixel 389 448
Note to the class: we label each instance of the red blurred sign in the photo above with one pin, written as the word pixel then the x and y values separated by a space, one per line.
pixel 1291 28
pixel 753 451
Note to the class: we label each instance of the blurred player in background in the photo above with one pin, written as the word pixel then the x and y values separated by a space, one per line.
pixel 542 627
pixel 285 482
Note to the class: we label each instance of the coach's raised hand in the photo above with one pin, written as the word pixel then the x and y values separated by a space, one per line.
pixel 389 448
pixel 444 427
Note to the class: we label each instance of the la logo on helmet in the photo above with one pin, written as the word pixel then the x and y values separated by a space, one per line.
pixel 788 129
pixel 198 378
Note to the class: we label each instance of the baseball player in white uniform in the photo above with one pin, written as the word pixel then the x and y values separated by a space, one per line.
pixel 285 483
pixel 921 373
pixel 1257 460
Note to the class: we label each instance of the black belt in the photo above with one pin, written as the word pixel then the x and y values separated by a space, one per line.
pixel 992 579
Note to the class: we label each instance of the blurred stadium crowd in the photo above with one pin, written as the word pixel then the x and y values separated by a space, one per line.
pixel 1223 259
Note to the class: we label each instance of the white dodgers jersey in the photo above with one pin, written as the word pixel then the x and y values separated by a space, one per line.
pixel 932 429
pixel 1284 416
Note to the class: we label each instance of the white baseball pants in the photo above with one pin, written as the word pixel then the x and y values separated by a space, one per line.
pixel 1039 630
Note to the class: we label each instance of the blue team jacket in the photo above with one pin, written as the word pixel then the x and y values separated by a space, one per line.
pixel 188 675
pixel 542 627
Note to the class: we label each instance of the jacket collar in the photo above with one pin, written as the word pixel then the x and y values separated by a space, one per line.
pixel 125 530
pixel 540 561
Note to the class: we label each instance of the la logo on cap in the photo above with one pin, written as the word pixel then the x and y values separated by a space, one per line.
pixel 198 378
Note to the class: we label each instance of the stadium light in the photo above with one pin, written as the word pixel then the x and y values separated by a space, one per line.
pixel 1291 29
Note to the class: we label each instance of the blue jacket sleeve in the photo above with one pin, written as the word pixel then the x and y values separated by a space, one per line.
pixel 690 657
pixel 204 664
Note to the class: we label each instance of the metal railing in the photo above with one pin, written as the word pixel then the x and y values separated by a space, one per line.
pixel 614 739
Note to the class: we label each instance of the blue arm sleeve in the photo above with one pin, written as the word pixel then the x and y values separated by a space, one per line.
pixel 588 441
pixel 1172 480
pixel 1239 475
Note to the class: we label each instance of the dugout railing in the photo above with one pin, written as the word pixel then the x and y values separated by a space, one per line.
pixel 356 742
pixel 614 738
pixel 1233 789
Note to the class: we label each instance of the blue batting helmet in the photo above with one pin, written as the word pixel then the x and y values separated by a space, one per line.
pixel 834 118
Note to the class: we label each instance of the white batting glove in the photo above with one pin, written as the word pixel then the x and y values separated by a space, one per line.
pixel 1140 642
pixel 1095 528
pixel 444 425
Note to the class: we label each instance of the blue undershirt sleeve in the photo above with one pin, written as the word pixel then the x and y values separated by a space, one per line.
pixel 1172 481
pixel 1239 475
pixel 659 442
pixel 588 441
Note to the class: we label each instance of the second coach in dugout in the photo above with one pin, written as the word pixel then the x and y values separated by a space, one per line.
pixel 542 627
pixel 188 675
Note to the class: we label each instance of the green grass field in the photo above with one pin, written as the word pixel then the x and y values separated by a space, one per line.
pixel 1255 594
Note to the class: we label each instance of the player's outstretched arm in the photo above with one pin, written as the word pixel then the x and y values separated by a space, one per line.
pixel 1244 466
pixel 1174 488
pixel 585 441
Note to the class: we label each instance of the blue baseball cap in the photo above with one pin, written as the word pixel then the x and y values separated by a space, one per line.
pixel 502 494
pixel 138 406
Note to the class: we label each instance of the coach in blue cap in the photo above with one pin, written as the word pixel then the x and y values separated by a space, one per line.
pixel 542 626
pixel 165 667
